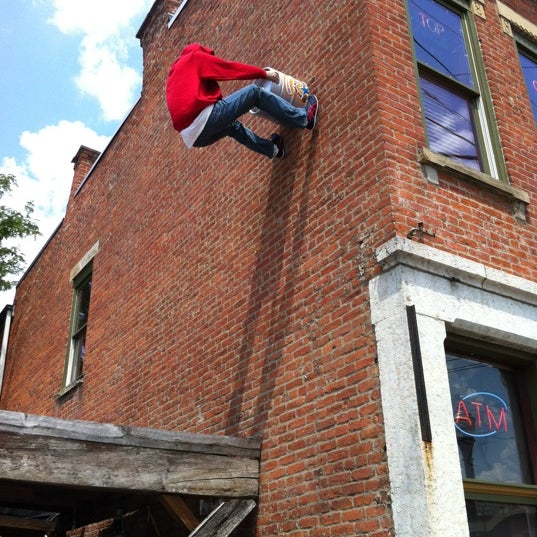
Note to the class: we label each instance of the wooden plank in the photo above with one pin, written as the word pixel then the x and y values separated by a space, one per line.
pixel 27 523
pixel 67 462
pixel 239 513
pixel 224 519
pixel 177 506
pixel 28 424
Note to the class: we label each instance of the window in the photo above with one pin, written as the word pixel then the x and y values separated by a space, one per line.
pixel 79 320
pixel 528 62
pixel 495 428
pixel 456 107
pixel 489 519
pixel 173 17
pixel 5 324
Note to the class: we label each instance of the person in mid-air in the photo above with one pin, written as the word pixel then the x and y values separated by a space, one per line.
pixel 203 116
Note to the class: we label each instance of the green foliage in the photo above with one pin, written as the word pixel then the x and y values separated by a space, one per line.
pixel 13 224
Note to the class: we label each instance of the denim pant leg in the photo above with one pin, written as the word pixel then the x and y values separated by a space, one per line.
pixel 283 112
pixel 236 130
pixel 223 119
pixel 253 96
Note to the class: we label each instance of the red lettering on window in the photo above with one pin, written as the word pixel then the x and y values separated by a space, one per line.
pixel 481 414
pixel 496 424
pixel 463 414
pixel 478 410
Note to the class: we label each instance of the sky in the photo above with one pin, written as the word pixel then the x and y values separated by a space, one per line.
pixel 71 71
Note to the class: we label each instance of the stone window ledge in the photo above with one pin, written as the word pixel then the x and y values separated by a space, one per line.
pixel 433 161
pixel 68 389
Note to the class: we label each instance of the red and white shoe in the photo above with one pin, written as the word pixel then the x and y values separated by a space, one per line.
pixel 312 108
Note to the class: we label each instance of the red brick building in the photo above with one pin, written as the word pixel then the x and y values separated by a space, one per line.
pixel 366 308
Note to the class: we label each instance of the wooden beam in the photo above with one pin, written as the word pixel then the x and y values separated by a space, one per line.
pixel 224 519
pixel 45 450
pixel 27 523
pixel 178 507
pixel 106 433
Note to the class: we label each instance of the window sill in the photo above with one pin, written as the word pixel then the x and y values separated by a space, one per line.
pixel 433 161
pixel 500 492
pixel 68 389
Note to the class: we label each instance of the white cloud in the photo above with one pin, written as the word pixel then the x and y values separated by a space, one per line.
pixel 45 178
pixel 105 76
pixel 107 36
pixel 99 18
pixel 107 39
pixel 50 152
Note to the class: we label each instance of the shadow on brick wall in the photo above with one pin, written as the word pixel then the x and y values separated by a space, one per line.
pixel 273 282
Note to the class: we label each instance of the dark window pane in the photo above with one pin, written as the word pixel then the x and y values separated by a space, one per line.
pixel 79 352
pixel 78 334
pixel 449 124
pixel 488 422
pixel 439 39
pixel 83 292
pixel 529 68
pixel 487 519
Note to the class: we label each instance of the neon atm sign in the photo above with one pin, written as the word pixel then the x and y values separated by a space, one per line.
pixel 481 414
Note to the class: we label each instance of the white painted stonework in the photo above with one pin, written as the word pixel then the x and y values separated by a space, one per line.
pixel 470 299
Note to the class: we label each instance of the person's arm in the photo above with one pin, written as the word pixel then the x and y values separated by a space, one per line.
pixel 272 75
pixel 216 68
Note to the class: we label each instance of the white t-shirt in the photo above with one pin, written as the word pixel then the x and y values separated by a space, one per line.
pixel 192 132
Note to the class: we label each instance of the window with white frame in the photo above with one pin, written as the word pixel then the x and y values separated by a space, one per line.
pixel 492 394
pixel 173 17
pixel 79 321
pixel 455 103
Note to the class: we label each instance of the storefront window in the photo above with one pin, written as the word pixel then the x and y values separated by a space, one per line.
pixel 494 426
pixel 488 519
pixel 488 422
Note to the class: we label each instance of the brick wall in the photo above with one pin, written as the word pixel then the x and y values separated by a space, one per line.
pixel 230 292
pixel 524 8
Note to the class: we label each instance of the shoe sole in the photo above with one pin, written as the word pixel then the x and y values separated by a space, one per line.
pixel 315 116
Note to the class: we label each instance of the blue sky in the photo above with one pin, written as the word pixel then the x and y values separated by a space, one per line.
pixel 71 72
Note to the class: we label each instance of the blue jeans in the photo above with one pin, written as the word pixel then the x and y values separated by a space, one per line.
pixel 223 119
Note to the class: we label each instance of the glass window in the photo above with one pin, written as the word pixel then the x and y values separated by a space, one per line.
pixel 492 398
pixel 454 109
pixel 488 421
pixel 488 519
pixel 173 17
pixel 450 127
pixel 79 321
pixel 439 40
pixel 529 68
